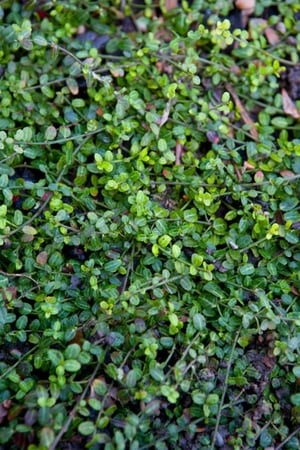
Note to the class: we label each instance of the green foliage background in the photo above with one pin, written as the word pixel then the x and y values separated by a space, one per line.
pixel 150 259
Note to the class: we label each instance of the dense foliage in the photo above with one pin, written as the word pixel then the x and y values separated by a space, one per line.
pixel 149 225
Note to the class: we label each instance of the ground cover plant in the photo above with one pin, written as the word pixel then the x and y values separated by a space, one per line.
pixel 149 225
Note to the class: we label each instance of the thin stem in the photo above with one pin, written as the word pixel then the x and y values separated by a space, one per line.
pixel 288 438
pixel 214 437
pixel 20 275
pixel 11 368
pixel 67 52
pixel 67 423
pixel 61 141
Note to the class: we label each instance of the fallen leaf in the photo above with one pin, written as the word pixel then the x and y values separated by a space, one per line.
pixel 245 116
pixel 295 291
pixel 27 238
pixel 73 86
pixel 171 4
pixel 165 115
pixel 245 4
pixel 238 173
pixel 235 69
pixel 42 258
pixel 279 217
pixel 289 106
pixel 99 111
pixel 272 36
pixel 248 166
pixel 287 173
pixel 213 136
pixel 9 293
pixel 179 151
pixel 117 72
pixel 247 8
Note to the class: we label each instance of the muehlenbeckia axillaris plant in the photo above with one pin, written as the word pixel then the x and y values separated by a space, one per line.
pixel 149 218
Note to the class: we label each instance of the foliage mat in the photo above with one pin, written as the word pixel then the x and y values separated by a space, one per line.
pixel 149 225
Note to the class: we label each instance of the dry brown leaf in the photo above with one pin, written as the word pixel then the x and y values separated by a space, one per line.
pixel 42 258
pixel 171 4
pixel 9 293
pixel 248 166
pixel 245 116
pixel 257 24
pixel 235 69
pixel 295 291
pixel 272 36
pixel 289 106
pixel 165 116
pixel 287 173
pixel 238 173
pixel 245 4
pixel 179 151
pixel 99 111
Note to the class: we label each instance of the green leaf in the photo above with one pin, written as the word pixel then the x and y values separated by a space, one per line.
pixel 78 103
pixel 55 356
pixel 87 428
pixel 47 436
pixel 50 133
pixel 199 321
pixel 186 284
pixel 197 260
pixel 99 386
pixel 27 229
pixel 131 378
pixel 157 374
pixel 295 399
pixel 289 204
pixel 212 399
pixel 40 40
pixel 279 122
pixel 190 215
pixel 162 145
pixel 65 132
pixel 198 397
pixel 72 351
pixel 113 266
pixel 161 226
pixel 247 269
pixel 71 365
pixel 3 181
pixel 164 240
pixel 296 371
pixel 3 210
pixel 120 441
pixel 176 251
pixel 18 217
pixel 214 289
pixel 170 393
pixel 220 225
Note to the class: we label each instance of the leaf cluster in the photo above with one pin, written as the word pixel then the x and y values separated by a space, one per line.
pixel 149 228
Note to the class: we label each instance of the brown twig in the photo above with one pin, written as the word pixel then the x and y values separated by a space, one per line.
pixel 19 275
pixel 245 116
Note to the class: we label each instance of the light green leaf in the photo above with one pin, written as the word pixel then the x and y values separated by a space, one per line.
pixel 87 428
pixel 199 321
pixel 50 133
pixel 71 365
pixel 162 145
pixel 247 269
pixel 27 229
